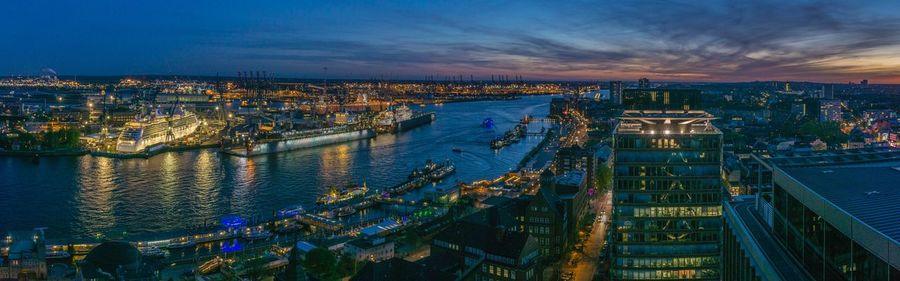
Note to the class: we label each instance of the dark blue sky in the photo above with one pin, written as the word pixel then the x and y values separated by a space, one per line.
pixel 835 41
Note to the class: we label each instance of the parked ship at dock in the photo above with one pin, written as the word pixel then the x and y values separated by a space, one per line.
pixel 401 119
pixel 146 132
pixel 301 140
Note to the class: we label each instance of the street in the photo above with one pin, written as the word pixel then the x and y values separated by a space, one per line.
pixel 588 257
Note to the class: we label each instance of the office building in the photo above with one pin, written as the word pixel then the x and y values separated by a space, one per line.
pixel 837 213
pixel 547 220
pixel 667 190
pixel 749 251
pixel 661 99
pixel 830 111
pixel 615 91
pixel 575 158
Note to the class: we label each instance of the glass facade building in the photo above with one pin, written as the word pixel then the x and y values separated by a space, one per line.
pixel 840 220
pixel 667 197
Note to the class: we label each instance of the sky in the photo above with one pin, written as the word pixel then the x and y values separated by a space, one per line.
pixel 822 41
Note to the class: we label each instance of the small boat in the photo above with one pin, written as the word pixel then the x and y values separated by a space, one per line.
pixel 181 244
pixel 292 211
pixel 36 159
pixel 457 150
pixel 445 170
pixel 345 211
pixel 153 252
pixel 256 235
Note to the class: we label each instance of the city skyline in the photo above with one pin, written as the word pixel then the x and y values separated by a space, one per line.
pixel 718 41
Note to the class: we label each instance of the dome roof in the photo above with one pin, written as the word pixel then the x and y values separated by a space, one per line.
pixel 110 255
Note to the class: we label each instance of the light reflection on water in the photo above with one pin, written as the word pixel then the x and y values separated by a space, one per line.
pixel 78 197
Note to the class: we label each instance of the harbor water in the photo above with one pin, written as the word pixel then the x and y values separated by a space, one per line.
pixel 78 198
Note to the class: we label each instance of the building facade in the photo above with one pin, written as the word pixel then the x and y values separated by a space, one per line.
pixel 661 99
pixel 373 249
pixel 837 213
pixel 830 110
pixel 667 188
pixel 488 253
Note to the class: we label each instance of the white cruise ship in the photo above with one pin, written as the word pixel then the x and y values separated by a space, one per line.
pixel 141 134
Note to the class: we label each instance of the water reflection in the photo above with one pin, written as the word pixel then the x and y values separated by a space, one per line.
pixel 79 197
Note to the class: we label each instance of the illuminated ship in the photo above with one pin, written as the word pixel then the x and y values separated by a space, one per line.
pixel 143 133
pixel 401 119
pixel 334 195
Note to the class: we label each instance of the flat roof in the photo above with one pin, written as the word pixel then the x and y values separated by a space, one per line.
pixel 833 157
pixel 869 191
pixel 573 178
pixel 665 122
pixel 785 267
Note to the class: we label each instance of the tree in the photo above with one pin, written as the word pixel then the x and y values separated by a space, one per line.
pixel 72 137
pixel 829 132
pixel 320 262
pixel 603 176
pixel 347 266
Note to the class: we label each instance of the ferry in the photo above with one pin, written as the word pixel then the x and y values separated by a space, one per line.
pixel 145 132
pixel 347 193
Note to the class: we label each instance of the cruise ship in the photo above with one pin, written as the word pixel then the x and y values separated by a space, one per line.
pixel 401 119
pixel 143 133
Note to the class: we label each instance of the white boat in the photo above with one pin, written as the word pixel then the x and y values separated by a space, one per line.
pixel 159 128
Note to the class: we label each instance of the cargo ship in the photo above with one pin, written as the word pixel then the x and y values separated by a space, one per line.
pixel 143 133
pixel 401 119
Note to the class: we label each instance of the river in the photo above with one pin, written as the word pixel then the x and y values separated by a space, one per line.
pixel 78 198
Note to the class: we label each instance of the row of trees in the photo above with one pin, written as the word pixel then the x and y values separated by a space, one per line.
pixel 324 265
pixel 64 138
